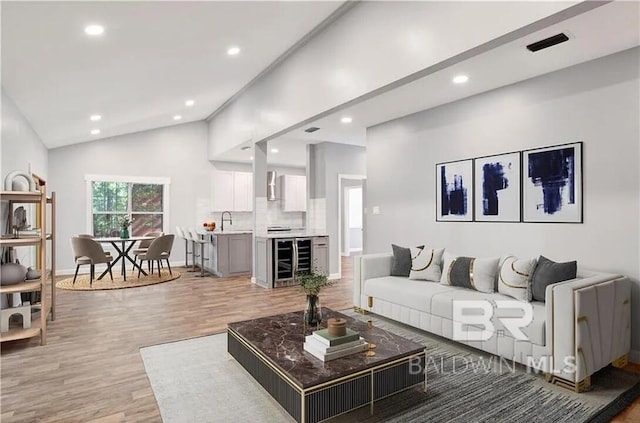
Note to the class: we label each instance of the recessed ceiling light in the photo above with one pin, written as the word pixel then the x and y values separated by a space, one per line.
pixel 233 51
pixel 189 103
pixel 346 119
pixel 251 158
pixel 95 118
pixel 94 29
pixel 177 117
pixel 460 79
pixel 95 131
pixel 274 150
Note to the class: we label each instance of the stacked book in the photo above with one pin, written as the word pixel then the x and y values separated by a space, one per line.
pixel 328 347
pixel 29 233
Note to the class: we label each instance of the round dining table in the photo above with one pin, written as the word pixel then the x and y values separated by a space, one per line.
pixel 123 246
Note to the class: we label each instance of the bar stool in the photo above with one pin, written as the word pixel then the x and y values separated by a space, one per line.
pixel 195 238
pixel 182 233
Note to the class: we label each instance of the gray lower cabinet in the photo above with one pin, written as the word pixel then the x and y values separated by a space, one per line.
pixel 320 253
pixel 230 254
pixel 264 262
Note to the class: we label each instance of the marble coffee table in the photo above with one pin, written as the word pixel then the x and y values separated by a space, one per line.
pixel 271 350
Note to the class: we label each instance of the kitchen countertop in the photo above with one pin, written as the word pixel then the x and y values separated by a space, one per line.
pixel 292 234
pixel 228 232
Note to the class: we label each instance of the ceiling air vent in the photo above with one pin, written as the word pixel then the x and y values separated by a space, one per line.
pixel 246 147
pixel 548 42
pixel 311 129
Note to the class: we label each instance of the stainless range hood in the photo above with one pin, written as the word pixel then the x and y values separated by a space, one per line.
pixel 271 186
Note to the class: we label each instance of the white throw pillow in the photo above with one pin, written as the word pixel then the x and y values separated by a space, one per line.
pixel 426 264
pixel 470 272
pixel 514 277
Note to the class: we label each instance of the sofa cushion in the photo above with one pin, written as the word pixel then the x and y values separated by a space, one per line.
pixel 401 263
pixel 426 264
pixel 514 277
pixel 442 306
pixel 405 292
pixel 548 272
pixel 479 274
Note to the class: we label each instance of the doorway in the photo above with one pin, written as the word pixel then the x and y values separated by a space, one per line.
pixel 351 215
pixel 352 223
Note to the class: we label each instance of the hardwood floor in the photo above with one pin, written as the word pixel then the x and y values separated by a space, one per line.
pixel 91 370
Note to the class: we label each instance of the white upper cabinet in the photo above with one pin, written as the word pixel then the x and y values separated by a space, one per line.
pixel 242 191
pixel 232 191
pixel 293 193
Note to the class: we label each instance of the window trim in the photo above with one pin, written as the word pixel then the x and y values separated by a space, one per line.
pixel 164 181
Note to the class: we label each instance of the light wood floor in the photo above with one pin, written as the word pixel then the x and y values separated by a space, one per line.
pixel 91 370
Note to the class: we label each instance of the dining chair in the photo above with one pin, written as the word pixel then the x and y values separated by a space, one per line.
pixel 197 240
pixel 159 249
pixel 92 237
pixel 144 244
pixel 88 251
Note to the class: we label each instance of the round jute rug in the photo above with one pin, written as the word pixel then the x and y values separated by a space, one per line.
pixel 82 281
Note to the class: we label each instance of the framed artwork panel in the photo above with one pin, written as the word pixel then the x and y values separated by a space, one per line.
pixel 497 188
pixel 552 184
pixel 454 191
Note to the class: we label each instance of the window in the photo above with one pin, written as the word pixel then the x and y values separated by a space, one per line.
pixel 142 199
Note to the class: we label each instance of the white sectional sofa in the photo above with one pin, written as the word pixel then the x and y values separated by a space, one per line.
pixel 584 325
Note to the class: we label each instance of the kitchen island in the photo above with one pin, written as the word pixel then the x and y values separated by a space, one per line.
pixel 229 253
pixel 281 255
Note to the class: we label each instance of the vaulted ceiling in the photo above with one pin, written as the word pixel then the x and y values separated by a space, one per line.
pixel 151 59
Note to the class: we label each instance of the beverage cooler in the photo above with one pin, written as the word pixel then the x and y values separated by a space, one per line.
pixel 291 256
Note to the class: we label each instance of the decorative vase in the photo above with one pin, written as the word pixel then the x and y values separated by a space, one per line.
pixel 124 233
pixel 313 312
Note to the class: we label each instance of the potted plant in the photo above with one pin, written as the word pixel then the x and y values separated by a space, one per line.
pixel 124 223
pixel 311 283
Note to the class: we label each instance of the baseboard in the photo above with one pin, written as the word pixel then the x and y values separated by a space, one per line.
pixel 84 269
pixel 634 356
pixel 334 276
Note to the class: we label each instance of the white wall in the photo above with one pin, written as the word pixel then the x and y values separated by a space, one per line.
pixel 339 64
pixel 20 149
pixel 21 146
pixel 175 152
pixel 596 102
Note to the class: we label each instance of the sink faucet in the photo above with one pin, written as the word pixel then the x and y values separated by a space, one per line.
pixel 222 220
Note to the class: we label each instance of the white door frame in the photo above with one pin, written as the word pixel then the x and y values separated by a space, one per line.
pixel 342 176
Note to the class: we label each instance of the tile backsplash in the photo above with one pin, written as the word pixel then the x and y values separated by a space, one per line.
pixel 275 217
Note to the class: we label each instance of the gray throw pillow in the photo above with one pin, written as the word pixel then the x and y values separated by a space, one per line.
pixel 548 272
pixel 401 263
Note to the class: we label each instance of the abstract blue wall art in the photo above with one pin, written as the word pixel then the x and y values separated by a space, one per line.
pixel 454 188
pixel 553 184
pixel 497 188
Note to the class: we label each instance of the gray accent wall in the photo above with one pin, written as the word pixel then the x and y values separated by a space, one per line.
pixel 328 161
pixel 176 152
pixel 596 102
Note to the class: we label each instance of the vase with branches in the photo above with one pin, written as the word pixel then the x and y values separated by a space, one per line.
pixel 125 222
pixel 312 282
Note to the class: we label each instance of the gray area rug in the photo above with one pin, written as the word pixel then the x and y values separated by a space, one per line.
pixel 197 381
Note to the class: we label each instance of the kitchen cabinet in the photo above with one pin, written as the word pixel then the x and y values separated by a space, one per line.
pixel 293 190
pixel 230 254
pixel 232 191
pixel 320 254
